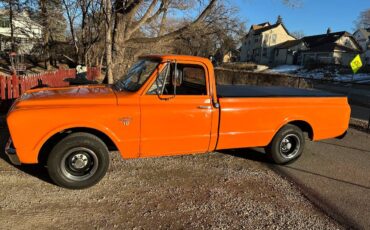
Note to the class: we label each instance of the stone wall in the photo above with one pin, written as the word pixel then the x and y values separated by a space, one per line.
pixel 239 77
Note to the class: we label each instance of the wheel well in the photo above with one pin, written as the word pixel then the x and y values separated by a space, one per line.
pixel 53 140
pixel 305 127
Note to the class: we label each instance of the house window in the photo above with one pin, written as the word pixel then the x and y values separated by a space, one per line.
pixel 347 42
pixel 4 23
pixel 256 40
pixel 273 38
pixel 277 52
pixel 264 52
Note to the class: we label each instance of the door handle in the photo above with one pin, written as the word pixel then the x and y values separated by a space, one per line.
pixel 204 107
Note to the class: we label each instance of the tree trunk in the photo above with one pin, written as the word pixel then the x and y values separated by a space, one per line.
pixel 108 39
pixel 163 23
pixel 73 33
pixel 46 32
pixel 11 16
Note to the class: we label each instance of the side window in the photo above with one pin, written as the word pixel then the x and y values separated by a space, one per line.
pixel 194 75
pixel 158 84
pixel 191 80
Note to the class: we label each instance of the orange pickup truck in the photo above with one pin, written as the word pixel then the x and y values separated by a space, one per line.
pixel 165 105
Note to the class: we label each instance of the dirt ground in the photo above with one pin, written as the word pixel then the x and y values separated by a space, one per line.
pixel 210 191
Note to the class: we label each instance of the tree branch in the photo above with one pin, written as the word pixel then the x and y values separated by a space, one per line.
pixel 176 33
pixel 143 19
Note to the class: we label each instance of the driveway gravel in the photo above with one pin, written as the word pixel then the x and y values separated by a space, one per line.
pixel 210 191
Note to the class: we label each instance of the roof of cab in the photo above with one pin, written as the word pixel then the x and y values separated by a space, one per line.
pixel 167 57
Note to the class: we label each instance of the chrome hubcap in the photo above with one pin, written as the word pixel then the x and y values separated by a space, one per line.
pixel 289 146
pixel 79 164
pixel 79 161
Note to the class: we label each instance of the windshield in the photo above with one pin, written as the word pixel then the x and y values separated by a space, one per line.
pixel 136 76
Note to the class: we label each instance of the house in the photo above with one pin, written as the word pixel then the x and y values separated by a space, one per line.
pixel 260 42
pixel 27 32
pixel 331 48
pixel 231 56
pixel 362 36
pixel 289 52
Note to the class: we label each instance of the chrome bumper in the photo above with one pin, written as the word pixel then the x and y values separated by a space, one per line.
pixel 11 152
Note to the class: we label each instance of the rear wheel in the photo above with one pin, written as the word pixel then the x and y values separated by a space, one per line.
pixel 287 145
pixel 78 161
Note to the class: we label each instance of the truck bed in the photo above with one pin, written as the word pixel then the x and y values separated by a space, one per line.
pixel 224 91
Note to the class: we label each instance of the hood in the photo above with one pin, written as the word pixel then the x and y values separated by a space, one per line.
pixel 67 96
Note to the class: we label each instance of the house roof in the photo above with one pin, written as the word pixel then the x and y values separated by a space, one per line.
pixel 317 40
pixel 21 17
pixel 331 48
pixel 259 26
pixel 270 27
pixel 328 39
pixel 265 28
pixel 288 44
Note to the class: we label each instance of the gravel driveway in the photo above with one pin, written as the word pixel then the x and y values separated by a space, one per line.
pixel 210 191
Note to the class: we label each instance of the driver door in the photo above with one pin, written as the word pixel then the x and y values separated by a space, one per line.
pixel 176 120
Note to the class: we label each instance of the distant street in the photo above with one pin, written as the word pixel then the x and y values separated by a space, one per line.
pixel 360 112
pixel 358 94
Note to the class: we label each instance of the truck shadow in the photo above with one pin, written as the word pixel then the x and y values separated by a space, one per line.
pixel 260 156
pixel 37 171
pixel 313 195
pixel 249 154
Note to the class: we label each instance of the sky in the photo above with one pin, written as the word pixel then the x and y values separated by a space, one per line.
pixel 312 17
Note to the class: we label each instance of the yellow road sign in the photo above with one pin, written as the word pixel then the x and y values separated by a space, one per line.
pixel 356 64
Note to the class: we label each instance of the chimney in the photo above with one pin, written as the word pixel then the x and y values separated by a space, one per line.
pixel 279 20
pixel 328 31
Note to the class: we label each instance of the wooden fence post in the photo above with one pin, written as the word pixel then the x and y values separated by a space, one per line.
pixel 2 87
pixel 15 86
pixel 9 88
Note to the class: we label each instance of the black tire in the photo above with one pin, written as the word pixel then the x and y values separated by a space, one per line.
pixel 287 145
pixel 78 161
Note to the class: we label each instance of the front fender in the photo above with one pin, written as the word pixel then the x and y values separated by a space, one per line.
pixel 90 125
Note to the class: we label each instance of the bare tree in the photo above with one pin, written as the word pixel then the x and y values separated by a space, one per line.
pixel 363 20
pixel 298 34
pixel 85 20
pixel 45 33
pixel 53 26
pixel 129 18
pixel 108 22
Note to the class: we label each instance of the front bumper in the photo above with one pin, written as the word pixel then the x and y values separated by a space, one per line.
pixel 11 152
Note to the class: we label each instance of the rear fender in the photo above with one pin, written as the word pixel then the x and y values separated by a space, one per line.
pixel 292 120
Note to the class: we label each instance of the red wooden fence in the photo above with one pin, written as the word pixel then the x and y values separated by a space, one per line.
pixel 12 87
pixel 93 73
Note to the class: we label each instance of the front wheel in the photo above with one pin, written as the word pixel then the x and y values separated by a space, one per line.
pixel 287 145
pixel 78 161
